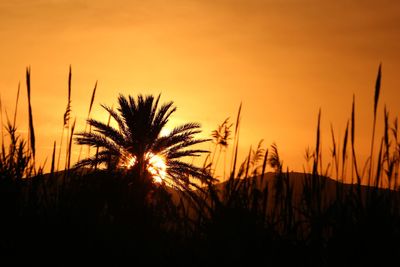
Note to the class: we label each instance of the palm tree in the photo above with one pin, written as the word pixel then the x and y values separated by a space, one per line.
pixel 137 142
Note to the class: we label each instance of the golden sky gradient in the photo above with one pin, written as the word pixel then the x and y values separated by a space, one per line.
pixel 283 59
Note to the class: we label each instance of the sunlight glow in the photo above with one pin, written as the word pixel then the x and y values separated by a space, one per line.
pixel 156 166
pixel 165 131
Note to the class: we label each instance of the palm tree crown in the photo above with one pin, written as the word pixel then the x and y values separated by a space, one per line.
pixel 137 140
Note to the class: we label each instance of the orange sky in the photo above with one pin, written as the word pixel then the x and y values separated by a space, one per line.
pixel 283 59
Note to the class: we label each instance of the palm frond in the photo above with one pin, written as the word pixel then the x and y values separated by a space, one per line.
pixel 119 119
pixel 185 153
pixel 108 131
pixel 96 140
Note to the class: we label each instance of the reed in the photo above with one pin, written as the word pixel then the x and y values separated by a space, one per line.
pixel 67 115
pixel 3 149
pixel 88 117
pixel 31 128
pixel 376 99
pixel 236 143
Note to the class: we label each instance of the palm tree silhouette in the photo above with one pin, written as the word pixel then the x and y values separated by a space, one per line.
pixel 138 138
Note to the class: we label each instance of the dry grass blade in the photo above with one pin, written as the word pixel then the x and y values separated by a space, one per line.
pixel 68 109
pixel 69 82
pixel 354 159
pixel 377 88
pixel 344 149
pixel 334 152
pixel 238 119
pixel 53 158
pixel 386 131
pixel 264 166
pixel 88 117
pixel 3 148
pixel 70 145
pixel 16 106
pixel 317 145
pixel 379 166
pixel 236 143
pixel 248 163
pixel 66 117
pixel 395 129
pixel 92 99
pixel 353 127
pixel 353 120
pixel 31 129
pixel 376 99
pixel 390 162
pixel 59 152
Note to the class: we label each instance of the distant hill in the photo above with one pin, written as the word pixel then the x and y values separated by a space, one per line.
pixel 299 183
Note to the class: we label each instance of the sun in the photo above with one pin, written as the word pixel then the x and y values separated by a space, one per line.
pixel 156 166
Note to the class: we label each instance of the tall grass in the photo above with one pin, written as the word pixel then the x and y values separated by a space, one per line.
pixel 88 117
pixel 31 128
pixel 67 115
pixel 376 99
pixel 322 212
pixel 272 217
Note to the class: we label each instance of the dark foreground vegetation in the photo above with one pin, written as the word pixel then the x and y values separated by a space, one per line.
pixel 102 213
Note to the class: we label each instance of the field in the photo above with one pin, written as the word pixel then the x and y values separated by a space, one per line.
pixel 103 211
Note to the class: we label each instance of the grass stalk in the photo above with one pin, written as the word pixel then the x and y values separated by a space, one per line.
pixel 88 117
pixel 235 144
pixel 376 100
pixel 31 128
pixel 16 106
pixel 344 152
pixel 69 154
pixel 67 115
pixel 3 150
pixel 52 168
